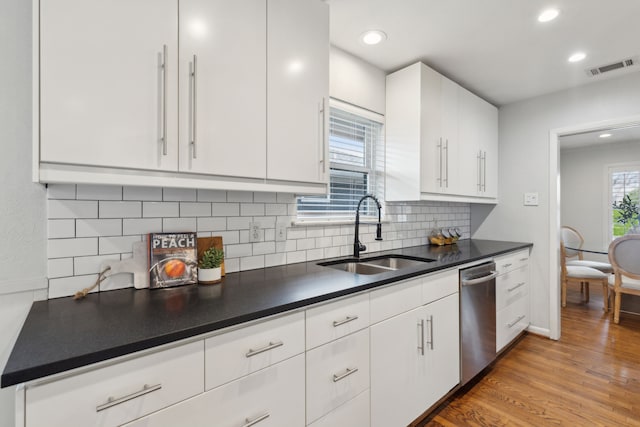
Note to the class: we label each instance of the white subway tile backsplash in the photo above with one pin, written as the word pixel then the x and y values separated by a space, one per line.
pixel 252 262
pixel 118 281
pixel 252 209
pixel 142 193
pixel 61 228
pixel 92 264
pixel 98 227
pixel 117 245
pixel 160 209
pixel 131 226
pixel 64 248
pixel 176 225
pixel 264 197
pixel 195 209
pixel 59 267
pixel 61 191
pixel 59 209
pixel 124 209
pixel 225 209
pixel 211 224
pixel 211 196
pixel 98 192
pixel 179 194
pixel 89 224
pixel 240 196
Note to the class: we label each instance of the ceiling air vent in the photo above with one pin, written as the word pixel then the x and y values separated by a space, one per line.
pixel 625 63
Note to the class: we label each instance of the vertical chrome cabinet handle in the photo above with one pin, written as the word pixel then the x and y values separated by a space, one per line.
pixel 267 347
pixel 439 179
pixel 430 322
pixel 484 171
pixel 164 98
pixel 479 177
pixel 146 389
pixel 446 162
pixel 323 144
pixel 345 374
pixel 347 319
pixel 421 345
pixel 194 76
pixel 251 422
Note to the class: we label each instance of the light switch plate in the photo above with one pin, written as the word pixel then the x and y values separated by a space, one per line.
pixel 254 232
pixel 531 199
pixel 281 232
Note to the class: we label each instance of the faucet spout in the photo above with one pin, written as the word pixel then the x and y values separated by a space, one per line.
pixel 357 245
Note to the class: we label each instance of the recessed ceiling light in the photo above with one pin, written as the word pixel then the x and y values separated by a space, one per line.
pixel 605 135
pixel 373 37
pixel 578 56
pixel 548 15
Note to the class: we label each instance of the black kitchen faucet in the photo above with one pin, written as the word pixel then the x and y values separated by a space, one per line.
pixel 357 246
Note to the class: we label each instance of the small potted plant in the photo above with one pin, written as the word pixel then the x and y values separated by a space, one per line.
pixel 209 270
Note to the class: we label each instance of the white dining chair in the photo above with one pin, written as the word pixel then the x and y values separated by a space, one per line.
pixel 624 255
pixel 584 276
pixel 573 239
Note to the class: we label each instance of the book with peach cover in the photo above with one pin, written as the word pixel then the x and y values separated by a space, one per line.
pixel 173 259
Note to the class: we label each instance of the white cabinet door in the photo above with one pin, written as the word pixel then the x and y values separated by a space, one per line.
pixel 430 140
pixel 398 369
pixel 449 130
pixel 223 103
pixel 442 348
pixel 489 146
pixel 297 90
pixel 105 98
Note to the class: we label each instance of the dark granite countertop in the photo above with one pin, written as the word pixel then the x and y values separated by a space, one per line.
pixel 63 334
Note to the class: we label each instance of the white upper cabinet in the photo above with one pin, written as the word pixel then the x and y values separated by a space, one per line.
pixel 441 140
pixel 221 92
pixel 223 87
pixel 105 97
pixel 297 90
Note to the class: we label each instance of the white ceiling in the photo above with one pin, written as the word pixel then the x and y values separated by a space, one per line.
pixel 495 48
pixel 627 134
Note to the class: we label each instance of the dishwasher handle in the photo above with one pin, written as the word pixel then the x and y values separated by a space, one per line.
pixel 468 282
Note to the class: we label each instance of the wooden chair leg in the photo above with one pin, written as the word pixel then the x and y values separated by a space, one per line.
pixel 563 285
pixel 616 307
pixel 586 292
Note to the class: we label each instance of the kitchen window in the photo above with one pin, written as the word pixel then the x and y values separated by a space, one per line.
pixel 624 185
pixel 356 156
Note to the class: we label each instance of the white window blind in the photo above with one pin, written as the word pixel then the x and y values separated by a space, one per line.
pixel 624 181
pixel 356 156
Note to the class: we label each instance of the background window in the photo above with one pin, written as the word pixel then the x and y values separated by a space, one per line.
pixel 625 188
pixel 356 154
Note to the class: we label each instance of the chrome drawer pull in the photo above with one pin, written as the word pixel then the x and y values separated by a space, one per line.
pixel 113 402
pixel 421 346
pixel 510 325
pixel 249 423
pixel 164 67
pixel 506 265
pixel 346 373
pixel 516 286
pixel 524 259
pixel 347 319
pixel 268 347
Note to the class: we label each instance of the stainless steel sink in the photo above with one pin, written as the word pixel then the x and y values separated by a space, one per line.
pixel 376 265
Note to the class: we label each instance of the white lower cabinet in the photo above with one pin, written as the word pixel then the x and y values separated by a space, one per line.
pixel 414 361
pixel 337 372
pixel 512 297
pixel 118 393
pixel 354 413
pixel 272 397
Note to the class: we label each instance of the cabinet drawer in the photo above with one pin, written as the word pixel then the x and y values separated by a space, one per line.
pixel 395 299
pixel 336 372
pixel 512 261
pixel 510 321
pixel 332 321
pixel 354 413
pixel 275 396
pixel 119 393
pixel 234 354
pixel 439 285
pixel 511 286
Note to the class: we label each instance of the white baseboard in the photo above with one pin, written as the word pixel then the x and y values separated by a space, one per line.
pixel 545 332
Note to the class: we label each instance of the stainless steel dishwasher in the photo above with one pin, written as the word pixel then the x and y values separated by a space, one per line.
pixel 477 319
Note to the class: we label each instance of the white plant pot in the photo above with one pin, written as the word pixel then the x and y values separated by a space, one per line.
pixel 209 275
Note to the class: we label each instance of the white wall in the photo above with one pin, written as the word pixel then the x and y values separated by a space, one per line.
pixel 524 167
pixel 584 188
pixel 22 203
pixel 357 82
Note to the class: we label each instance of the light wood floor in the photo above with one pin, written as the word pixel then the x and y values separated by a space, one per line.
pixel 590 377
